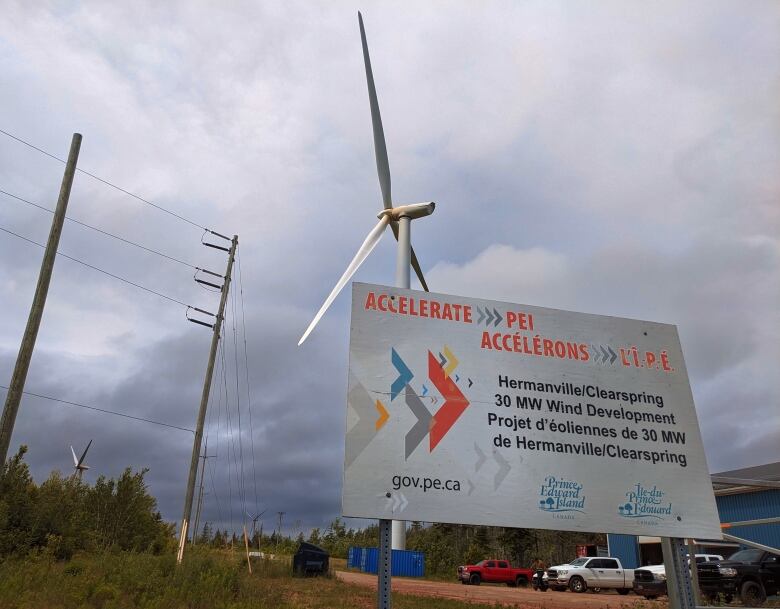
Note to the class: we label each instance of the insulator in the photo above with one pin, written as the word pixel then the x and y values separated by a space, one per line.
pixel 208 283
pixel 209 272
pixel 220 235
pixel 202 323
pixel 217 247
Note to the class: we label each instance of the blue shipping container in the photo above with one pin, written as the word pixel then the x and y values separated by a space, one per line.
pixel 405 563
pixel 354 556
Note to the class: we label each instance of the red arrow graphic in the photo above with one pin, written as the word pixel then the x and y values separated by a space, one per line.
pixel 454 402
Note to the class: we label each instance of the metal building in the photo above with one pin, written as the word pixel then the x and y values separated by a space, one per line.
pixel 748 503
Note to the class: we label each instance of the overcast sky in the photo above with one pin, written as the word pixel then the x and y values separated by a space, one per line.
pixel 618 158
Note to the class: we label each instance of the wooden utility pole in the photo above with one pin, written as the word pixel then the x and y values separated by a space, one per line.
pixel 279 537
pixel 200 491
pixel 204 400
pixel 16 387
pixel 246 547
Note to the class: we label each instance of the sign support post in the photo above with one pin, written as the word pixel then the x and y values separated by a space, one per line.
pixel 384 568
pixel 393 532
pixel 694 572
pixel 678 575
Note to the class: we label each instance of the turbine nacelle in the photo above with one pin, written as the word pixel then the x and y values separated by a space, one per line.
pixel 412 211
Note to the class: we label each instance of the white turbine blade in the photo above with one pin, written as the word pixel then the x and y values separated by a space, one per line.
pixel 369 244
pixel 84 454
pixel 380 149
pixel 75 459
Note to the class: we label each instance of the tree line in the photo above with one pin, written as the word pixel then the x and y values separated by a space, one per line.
pixel 64 515
pixel 445 545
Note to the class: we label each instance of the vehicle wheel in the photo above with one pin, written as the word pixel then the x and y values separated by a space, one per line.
pixel 728 597
pixel 577 584
pixel 463 581
pixel 650 597
pixel 521 581
pixel 752 594
pixel 623 591
pixel 475 579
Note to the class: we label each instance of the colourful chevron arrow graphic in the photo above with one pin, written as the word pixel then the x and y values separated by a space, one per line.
pixel 454 402
pixel 383 415
pixel 452 361
pixel 423 425
pixel 404 375
pixel 361 434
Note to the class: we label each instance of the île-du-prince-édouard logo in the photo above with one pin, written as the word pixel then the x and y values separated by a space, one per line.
pixel 645 502
pixel 560 495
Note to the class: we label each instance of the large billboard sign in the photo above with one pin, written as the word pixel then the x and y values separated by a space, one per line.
pixel 481 412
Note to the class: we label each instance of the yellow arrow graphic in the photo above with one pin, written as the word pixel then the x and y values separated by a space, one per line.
pixel 452 361
pixel 383 415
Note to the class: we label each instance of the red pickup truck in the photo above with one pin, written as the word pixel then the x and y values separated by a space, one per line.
pixel 494 572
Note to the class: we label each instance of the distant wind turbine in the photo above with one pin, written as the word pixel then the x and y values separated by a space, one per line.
pixel 399 218
pixel 254 520
pixel 78 464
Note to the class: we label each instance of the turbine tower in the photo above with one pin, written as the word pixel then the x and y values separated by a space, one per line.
pixel 78 464
pixel 398 218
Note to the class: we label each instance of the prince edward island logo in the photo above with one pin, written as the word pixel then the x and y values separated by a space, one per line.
pixel 561 495
pixel 645 502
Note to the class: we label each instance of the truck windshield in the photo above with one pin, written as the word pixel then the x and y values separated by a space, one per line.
pixel 578 562
pixel 751 555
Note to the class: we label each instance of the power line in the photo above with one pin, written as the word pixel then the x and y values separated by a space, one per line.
pixel 212 467
pixel 137 285
pixel 103 410
pixel 107 183
pixel 214 490
pixel 229 430
pixel 238 407
pixel 101 231
pixel 248 393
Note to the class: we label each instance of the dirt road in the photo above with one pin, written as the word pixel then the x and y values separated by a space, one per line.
pixel 504 595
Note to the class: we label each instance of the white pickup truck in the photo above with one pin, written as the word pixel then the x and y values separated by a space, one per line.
pixel 591 572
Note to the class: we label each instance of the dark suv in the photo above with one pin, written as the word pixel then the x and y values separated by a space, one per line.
pixel 752 574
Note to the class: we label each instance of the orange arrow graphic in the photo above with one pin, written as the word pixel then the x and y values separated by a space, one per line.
pixel 383 415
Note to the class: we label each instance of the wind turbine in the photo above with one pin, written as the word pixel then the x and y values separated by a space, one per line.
pixel 78 464
pixel 398 218
pixel 254 519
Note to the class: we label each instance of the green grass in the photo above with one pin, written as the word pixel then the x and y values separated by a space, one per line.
pixel 208 579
